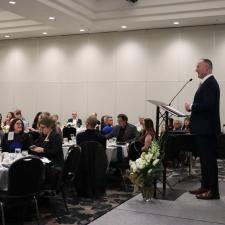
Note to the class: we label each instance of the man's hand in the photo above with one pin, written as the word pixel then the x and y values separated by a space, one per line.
pixel 187 107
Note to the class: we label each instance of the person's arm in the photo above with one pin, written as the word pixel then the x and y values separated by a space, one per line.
pixel 5 147
pixel 148 141
pixel 207 101
pixel 26 143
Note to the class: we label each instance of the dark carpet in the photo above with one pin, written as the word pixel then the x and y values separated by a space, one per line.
pixel 81 211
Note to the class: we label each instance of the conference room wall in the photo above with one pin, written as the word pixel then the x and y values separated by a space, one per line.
pixel 107 73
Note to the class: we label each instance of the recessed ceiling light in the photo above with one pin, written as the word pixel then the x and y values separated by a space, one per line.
pixel 123 27
pixel 51 18
pixel 12 2
pixel 44 33
pixel 176 23
pixel 82 30
pixel 7 36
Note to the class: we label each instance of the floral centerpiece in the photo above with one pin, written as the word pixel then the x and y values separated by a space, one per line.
pixel 145 169
pixel 5 128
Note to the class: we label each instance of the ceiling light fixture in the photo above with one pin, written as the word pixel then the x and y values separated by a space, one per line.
pixel 44 33
pixel 7 36
pixel 12 2
pixel 82 30
pixel 176 23
pixel 123 27
pixel 51 18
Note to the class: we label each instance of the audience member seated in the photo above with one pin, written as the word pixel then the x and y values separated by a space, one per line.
pixel 49 145
pixel 140 124
pixel 186 125
pixel 97 127
pixel 108 125
pixel 124 131
pixel 91 134
pixel 6 122
pixel 103 121
pixel 18 114
pixel 55 117
pixel 177 125
pixel 170 124
pixel 148 134
pixel 8 118
pixel 15 138
pixel 34 131
pixel 36 120
pixel 74 120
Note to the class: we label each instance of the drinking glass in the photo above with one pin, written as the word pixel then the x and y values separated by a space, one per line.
pixel 17 150
pixel 24 153
pixel 65 140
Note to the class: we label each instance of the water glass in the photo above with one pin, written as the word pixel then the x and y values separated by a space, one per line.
pixel 24 153
pixel 65 140
pixel 17 150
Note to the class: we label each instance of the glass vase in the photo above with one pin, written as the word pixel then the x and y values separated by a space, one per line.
pixel 147 192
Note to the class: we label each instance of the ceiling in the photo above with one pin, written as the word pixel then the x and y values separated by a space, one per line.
pixel 30 18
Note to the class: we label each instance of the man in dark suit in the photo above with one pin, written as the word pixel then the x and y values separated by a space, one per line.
pixel 124 131
pixel 91 134
pixel 76 122
pixel 205 124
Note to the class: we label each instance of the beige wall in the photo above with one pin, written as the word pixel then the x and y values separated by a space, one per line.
pixel 107 73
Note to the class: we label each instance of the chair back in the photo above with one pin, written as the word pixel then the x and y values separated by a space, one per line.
pixel 91 179
pixel 25 176
pixel 71 163
pixel 134 150
pixel 67 131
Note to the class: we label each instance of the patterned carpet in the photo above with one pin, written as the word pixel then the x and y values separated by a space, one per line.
pixel 86 210
pixel 80 212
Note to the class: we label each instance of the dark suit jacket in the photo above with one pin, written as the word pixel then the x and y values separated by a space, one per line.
pixel 22 138
pixel 205 118
pixel 91 135
pixel 129 134
pixel 79 122
pixel 52 148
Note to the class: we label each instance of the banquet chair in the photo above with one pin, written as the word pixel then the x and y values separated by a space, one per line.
pixel 91 174
pixel 25 177
pixel 134 151
pixel 121 165
pixel 69 171
pixel 67 131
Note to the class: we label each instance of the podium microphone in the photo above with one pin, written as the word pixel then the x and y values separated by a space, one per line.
pixel 180 90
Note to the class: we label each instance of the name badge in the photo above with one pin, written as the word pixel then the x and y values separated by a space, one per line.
pixel 10 136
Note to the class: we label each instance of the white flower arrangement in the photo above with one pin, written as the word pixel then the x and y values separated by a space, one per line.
pixel 5 128
pixel 146 168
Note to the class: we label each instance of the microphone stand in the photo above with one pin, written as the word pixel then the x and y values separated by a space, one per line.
pixel 180 91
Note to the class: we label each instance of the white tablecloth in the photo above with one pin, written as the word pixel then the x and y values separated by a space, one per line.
pixel 111 152
pixel 4 169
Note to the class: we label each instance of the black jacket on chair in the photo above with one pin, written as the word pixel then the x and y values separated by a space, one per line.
pixel 91 175
pixel 91 135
